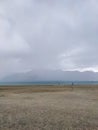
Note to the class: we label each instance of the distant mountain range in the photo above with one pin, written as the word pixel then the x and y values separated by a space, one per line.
pixel 47 75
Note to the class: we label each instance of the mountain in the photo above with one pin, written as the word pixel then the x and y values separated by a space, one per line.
pixel 47 75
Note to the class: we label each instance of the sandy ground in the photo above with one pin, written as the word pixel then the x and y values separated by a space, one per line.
pixel 49 108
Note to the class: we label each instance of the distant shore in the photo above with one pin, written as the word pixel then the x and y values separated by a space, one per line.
pixel 43 88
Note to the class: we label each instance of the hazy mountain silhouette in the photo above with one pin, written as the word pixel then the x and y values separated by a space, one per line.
pixel 52 76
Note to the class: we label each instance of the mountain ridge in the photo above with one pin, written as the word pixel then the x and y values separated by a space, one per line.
pixel 47 75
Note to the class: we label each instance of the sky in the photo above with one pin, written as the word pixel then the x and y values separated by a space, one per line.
pixel 48 35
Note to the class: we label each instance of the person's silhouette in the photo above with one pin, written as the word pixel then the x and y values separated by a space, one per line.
pixel 72 84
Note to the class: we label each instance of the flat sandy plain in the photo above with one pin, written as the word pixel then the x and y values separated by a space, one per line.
pixel 49 108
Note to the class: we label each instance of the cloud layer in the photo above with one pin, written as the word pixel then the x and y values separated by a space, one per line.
pixel 48 34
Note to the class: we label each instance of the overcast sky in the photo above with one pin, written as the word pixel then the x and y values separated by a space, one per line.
pixel 48 34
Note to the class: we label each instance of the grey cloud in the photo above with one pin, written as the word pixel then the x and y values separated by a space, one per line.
pixel 49 34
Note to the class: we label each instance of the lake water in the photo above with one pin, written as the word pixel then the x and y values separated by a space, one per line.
pixel 51 83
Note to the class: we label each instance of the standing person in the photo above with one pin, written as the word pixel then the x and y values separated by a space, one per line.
pixel 72 86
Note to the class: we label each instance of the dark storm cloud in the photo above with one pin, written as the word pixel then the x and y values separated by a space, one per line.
pixel 48 34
